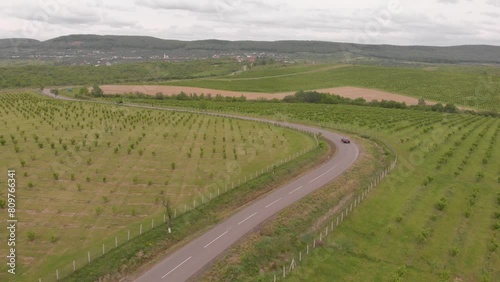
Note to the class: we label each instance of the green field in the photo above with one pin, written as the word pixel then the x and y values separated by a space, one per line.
pixel 39 75
pixel 87 172
pixel 435 218
pixel 473 87
pixel 277 70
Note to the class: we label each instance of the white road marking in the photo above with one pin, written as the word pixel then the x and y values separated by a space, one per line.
pixel 176 267
pixel 325 172
pixel 246 219
pixel 215 239
pixel 273 203
pixel 291 192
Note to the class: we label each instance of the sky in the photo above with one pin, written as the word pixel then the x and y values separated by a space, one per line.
pixel 398 22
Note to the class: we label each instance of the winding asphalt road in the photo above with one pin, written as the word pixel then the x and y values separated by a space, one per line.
pixel 193 257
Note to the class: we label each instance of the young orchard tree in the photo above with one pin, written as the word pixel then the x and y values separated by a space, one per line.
pixel 167 203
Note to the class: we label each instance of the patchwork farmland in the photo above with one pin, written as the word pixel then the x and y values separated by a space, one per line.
pixel 90 172
pixel 475 87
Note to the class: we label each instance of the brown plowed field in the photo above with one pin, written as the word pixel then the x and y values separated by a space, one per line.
pixel 348 92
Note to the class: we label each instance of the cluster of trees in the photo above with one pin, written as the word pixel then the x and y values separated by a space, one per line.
pixel 325 98
pixel 85 93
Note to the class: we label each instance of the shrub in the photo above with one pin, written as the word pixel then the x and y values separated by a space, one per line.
pixel 399 218
pixel 428 180
pixel 468 212
pixel 54 238
pixel 441 205
pixel 479 176
pixel 422 237
pixel 98 211
pixel 31 236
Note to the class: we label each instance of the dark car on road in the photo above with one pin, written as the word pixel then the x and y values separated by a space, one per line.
pixel 345 140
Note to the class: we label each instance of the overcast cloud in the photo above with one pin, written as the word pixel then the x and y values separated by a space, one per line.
pixel 401 22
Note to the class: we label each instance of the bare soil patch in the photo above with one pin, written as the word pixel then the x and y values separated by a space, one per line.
pixel 348 92
pixel 169 90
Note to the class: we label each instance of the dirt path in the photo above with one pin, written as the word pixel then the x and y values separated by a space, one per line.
pixel 348 92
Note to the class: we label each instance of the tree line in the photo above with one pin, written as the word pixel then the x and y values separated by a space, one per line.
pixel 326 98
pixel 313 97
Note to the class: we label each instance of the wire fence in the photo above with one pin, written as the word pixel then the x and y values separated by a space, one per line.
pixel 334 222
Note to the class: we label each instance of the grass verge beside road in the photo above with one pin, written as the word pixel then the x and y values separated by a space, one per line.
pixel 262 253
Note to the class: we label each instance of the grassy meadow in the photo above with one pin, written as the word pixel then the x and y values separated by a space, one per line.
pixel 476 87
pixel 86 172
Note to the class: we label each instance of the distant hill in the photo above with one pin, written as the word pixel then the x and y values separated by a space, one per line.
pixel 123 45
